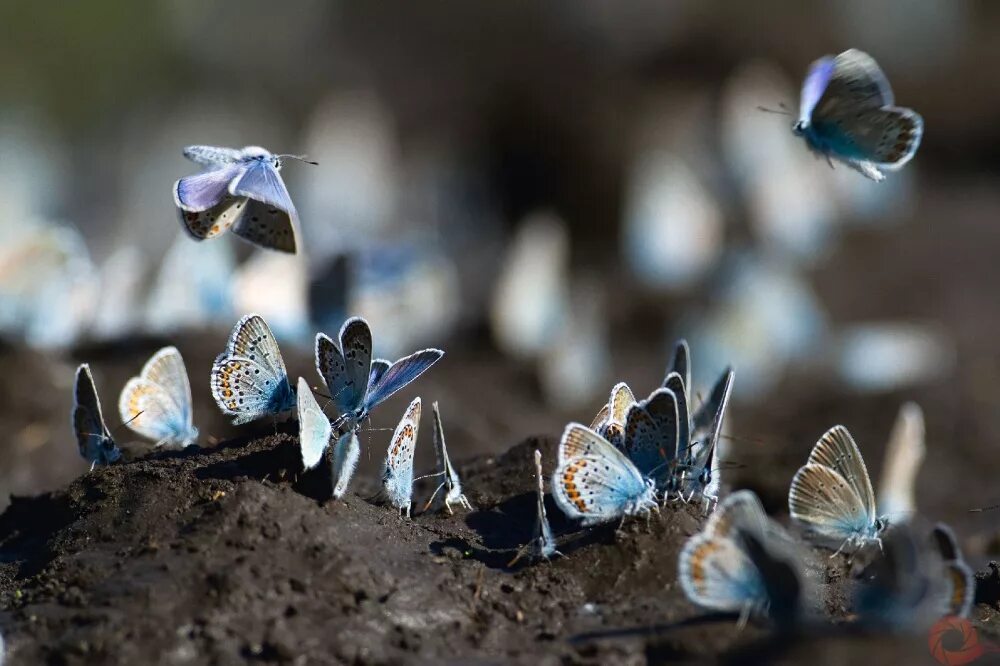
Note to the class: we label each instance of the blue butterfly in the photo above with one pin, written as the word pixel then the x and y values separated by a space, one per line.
pixel 397 475
pixel 699 478
pixel 832 497
pixel 242 191
pixel 249 379
pixel 595 482
pixel 742 561
pixel 847 113
pixel 357 383
pixel 92 435
pixel 157 403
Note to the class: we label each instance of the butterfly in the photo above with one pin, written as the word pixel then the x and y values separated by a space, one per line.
pixel 397 475
pixel 92 435
pixel 847 113
pixel 743 561
pixel 903 456
pixel 242 191
pixel 700 470
pixel 610 420
pixel 157 403
pixel 249 379
pixel 543 545
pixel 960 590
pixel 357 384
pixel 314 427
pixel 596 482
pixel 832 497
pixel 451 483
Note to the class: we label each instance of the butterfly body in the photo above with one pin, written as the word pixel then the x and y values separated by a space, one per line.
pixel 595 482
pixel 157 403
pixel 240 191
pixel 397 474
pixel 847 113
pixel 249 379
pixel 92 435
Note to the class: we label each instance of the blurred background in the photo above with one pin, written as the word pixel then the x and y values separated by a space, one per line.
pixel 551 192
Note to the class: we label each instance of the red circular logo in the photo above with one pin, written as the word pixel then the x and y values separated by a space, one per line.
pixel 953 641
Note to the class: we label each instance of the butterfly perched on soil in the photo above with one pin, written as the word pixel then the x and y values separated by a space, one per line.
pixel 451 484
pixel 240 191
pixel 357 384
pixel 847 113
pixel 92 435
pixel 397 474
pixel 157 403
pixel 249 379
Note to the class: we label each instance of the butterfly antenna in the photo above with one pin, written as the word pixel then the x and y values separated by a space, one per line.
pixel 783 111
pixel 431 500
pixel 984 508
pixel 300 158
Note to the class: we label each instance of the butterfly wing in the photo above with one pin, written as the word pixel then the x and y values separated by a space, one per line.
pixel 836 449
pixel 715 573
pixel 856 83
pixel 356 345
pixel 620 401
pixel 397 479
pixel 825 503
pixel 267 226
pixel 379 366
pixel 594 481
pixel 249 380
pixel 157 403
pixel 330 366
pixel 707 422
pixel 961 588
pixel 815 85
pixel 206 190
pixel 314 427
pixel 346 453
pixel 92 436
pixel 260 181
pixel 675 383
pixel 211 155
pixel 401 373
pixel 903 457
pixel 681 364
pixel 601 418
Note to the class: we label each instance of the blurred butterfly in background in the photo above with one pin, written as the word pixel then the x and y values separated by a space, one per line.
pixel 397 475
pixel 847 113
pixel 595 482
pixel 92 435
pixel 242 191
pixel 742 561
pixel 357 384
pixel 249 379
pixel 832 497
pixel 903 456
pixel 452 485
pixel 960 580
pixel 157 403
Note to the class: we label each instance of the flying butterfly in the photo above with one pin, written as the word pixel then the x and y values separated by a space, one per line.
pixel 249 379
pixel 92 435
pixel 847 113
pixel 157 403
pixel 240 191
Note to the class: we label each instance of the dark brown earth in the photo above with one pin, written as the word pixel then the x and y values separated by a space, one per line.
pixel 228 554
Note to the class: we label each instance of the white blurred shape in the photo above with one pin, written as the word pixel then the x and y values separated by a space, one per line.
pixel 193 287
pixel 531 296
pixel 903 457
pixel 673 227
pixel 885 356
pixel 575 368
pixel 787 190
pixel 410 298
pixel 275 285
pixel 32 171
pixel 766 317
pixel 352 194
pixel 119 311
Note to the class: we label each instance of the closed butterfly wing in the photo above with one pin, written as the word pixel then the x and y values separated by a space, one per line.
pixel 675 383
pixel 401 373
pixel 204 191
pixel 824 502
pixel 451 483
pixel 836 449
pixel 92 436
pixel 545 543
pixel 960 589
pixel 267 226
pixel 397 477
pixel 249 379
pixel 211 155
pixel 261 181
pixel 612 428
pixel 681 364
pixel 314 427
pixel 903 457
pixel 157 403
pixel 715 573
pixel 595 482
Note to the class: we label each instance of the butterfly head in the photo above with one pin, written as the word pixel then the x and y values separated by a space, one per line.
pixel 108 451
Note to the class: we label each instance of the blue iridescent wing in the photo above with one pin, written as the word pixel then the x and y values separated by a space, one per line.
pixel 401 373
pixel 379 366
pixel 211 155
pixel 814 86
pixel 314 427
pixel 249 379
pixel 855 84
pixel 356 346
pixel 267 226
pixel 708 419
pixel 675 383
pixel 330 366
pixel 92 436
pixel 157 403
pixel 262 182
pixel 205 190
pixel 651 432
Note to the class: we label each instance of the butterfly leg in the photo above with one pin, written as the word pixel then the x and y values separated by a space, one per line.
pixel 431 500
pixel 841 549
pixel 93 465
